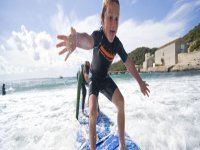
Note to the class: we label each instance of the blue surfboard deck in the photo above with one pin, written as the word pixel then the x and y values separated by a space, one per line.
pixel 107 136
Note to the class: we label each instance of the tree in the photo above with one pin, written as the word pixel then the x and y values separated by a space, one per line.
pixel 193 38
pixel 195 45
pixel 137 56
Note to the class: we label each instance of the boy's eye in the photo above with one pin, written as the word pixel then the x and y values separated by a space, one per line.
pixel 111 19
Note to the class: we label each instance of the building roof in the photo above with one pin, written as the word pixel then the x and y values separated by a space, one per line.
pixel 168 43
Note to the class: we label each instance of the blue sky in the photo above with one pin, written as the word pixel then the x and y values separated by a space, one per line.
pixel 28 31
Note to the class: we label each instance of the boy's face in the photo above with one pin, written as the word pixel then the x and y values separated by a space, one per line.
pixel 110 21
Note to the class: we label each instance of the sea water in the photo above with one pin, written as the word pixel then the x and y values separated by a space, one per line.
pixel 40 113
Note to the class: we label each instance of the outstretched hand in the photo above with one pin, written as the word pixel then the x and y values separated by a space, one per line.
pixel 68 42
pixel 144 88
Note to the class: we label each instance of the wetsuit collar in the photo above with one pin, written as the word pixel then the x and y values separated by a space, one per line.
pixel 104 36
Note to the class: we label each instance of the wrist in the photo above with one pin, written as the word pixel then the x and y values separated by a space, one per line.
pixel 140 81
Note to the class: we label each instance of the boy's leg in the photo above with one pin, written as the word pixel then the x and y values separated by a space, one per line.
pixel 92 121
pixel 118 100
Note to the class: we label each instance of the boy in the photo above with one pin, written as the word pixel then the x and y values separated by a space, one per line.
pixel 83 78
pixel 105 45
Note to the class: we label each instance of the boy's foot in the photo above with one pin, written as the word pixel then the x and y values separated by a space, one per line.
pixel 122 147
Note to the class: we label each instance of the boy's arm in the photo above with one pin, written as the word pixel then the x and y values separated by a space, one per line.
pixel 131 68
pixel 75 39
pixel 85 41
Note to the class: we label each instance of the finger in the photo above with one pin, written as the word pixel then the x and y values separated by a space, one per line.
pixel 73 31
pixel 63 51
pixel 61 44
pixel 148 90
pixel 147 94
pixel 62 37
pixel 67 55
pixel 144 93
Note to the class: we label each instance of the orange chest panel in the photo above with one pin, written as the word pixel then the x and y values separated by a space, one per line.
pixel 107 54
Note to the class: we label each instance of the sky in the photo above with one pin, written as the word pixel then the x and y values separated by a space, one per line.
pixel 28 31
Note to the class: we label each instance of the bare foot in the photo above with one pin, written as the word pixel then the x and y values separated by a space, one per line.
pixel 122 147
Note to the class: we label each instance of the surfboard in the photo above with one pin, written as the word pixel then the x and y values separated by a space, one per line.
pixel 107 134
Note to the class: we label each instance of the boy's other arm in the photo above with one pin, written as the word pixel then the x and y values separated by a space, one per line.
pixel 131 68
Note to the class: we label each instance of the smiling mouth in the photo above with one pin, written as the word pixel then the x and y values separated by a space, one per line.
pixel 112 32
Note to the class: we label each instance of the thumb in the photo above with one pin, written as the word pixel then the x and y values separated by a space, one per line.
pixel 73 31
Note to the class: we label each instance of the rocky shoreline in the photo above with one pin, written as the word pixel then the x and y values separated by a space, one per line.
pixel 174 68
pixel 187 61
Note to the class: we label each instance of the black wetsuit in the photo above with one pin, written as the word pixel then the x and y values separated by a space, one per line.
pixel 83 88
pixel 103 55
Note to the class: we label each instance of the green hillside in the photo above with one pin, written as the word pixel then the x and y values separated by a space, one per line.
pixel 137 56
pixel 193 39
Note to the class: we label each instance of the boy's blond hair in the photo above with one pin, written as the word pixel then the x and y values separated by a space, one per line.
pixel 104 6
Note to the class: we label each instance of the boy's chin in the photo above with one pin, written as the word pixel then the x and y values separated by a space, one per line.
pixel 110 39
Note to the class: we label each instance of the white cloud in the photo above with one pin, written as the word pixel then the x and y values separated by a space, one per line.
pixel 36 56
pixel 25 52
pixel 182 12
pixel 149 33
pixel 43 40
pixel 61 22
pixel 28 41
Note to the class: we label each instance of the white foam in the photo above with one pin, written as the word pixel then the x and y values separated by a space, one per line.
pixel 168 119
pixel 42 120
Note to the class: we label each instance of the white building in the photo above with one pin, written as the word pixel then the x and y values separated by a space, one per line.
pixel 149 61
pixel 167 55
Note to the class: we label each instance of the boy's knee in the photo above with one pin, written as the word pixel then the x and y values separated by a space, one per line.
pixel 119 102
pixel 121 99
pixel 92 106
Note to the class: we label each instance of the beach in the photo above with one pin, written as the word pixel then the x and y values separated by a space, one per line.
pixel 40 113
